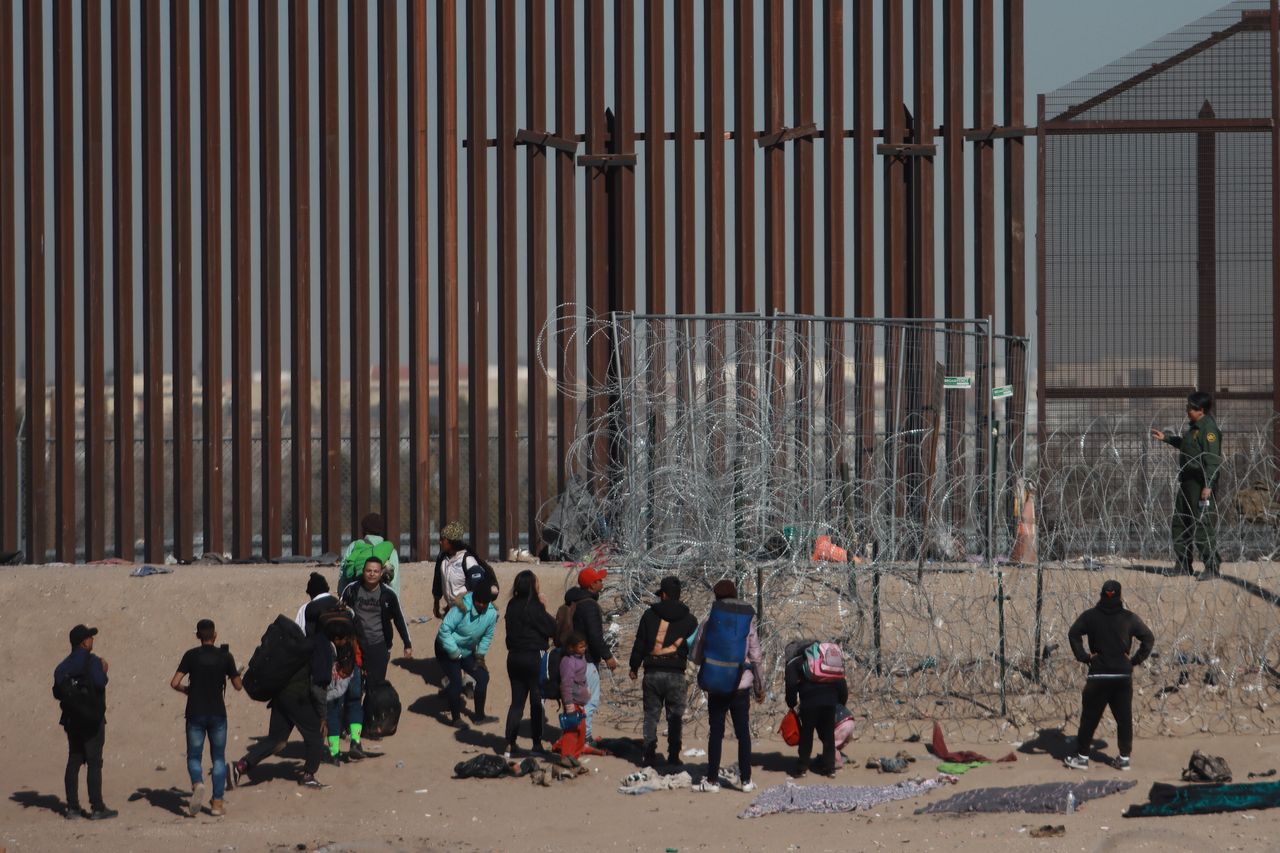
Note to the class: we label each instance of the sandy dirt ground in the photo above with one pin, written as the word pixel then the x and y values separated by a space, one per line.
pixel 407 800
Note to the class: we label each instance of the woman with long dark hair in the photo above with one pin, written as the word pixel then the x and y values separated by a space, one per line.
pixel 529 631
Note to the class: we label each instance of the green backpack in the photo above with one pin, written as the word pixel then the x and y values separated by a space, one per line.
pixel 361 551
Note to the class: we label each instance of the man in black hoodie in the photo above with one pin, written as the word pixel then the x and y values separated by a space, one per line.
pixel 1111 630
pixel 588 620
pixel 662 645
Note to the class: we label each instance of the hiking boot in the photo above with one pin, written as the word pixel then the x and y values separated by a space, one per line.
pixel 197 799
pixel 707 786
pixel 1121 762
pixel 355 752
pixel 103 813
pixel 1076 762
pixel 238 771
pixel 216 809
pixel 309 780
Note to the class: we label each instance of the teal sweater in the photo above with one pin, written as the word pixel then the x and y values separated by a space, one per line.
pixel 465 632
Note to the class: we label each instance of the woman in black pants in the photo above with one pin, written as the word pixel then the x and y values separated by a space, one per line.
pixel 529 630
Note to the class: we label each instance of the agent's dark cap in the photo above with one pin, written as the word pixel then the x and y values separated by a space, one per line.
pixel 725 589
pixel 670 587
pixel 80 633
pixel 1111 590
pixel 316 584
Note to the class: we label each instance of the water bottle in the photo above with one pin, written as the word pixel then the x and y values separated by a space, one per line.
pixel 1071 802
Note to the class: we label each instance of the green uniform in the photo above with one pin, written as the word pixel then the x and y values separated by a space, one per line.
pixel 1199 457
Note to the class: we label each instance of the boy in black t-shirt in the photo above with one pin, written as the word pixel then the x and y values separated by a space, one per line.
pixel 208 667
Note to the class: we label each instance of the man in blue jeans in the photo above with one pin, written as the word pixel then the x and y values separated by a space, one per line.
pixel 208 667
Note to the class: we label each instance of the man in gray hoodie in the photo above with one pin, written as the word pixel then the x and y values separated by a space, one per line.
pixel 1111 630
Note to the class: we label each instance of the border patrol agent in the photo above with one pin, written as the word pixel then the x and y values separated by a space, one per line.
pixel 1195 513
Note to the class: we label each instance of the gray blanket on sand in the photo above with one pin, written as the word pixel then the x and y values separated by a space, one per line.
pixel 822 799
pixel 1045 798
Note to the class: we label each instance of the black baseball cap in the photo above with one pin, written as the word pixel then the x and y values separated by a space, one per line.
pixel 670 587
pixel 80 633
pixel 1111 589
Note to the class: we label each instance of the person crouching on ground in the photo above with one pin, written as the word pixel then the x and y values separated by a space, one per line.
pixel 1111 630
pixel 208 667
pixel 817 711
pixel 461 646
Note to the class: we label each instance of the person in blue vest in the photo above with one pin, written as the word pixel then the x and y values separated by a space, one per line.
pixel 727 649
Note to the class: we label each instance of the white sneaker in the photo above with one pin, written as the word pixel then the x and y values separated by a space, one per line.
pixel 1076 762
pixel 1121 762
pixel 707 786
pixel 748 787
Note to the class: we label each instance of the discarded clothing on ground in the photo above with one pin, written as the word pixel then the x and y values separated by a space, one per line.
pixel 1264 774
pixel 147 571
pixel 489 766
pixel 1048 831
pixel 825 799
pixel 559 769
pixel 1206 768
pixel 649 780
pixel 959 768
pixel 896 764
pixel 1166 800
pixel 627 748
pixel 939 750
pixel 1045 798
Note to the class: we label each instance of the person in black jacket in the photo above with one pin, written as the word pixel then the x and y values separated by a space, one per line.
pixel 662 646
pixel 299 705
pixel 817 712
pixel 529 631
pixel 588 620
pixel 376 608
pixel 1111 630
pixel 86 726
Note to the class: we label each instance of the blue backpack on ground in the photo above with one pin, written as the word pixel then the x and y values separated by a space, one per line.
pixel 724 646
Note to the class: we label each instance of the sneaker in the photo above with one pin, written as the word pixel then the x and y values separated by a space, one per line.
pixel 1076 762
pixel 74 813
pixel 1121 762
pixel 707 786
pixel 238 771
pixel 103 813
pixel 216 809
pixel 484 719
pixel 456 723
pixel 309 780
pixel 355 752
pixel 748 787
pixel 197 799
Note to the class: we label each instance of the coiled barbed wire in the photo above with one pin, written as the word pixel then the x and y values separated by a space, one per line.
pixel 710 449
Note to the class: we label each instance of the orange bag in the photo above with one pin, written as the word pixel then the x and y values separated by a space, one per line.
pixel 790 728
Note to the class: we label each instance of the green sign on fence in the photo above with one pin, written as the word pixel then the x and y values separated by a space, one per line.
pixel 1001 391
pixel 957 382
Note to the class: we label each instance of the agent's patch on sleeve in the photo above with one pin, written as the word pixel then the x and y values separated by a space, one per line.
pixel 1211 437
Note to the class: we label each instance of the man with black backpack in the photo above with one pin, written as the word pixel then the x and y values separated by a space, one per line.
pixel 662 646
pixel 80 686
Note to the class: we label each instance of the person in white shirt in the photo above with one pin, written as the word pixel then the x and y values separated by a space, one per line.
pixel 450 581
pixel 316 603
